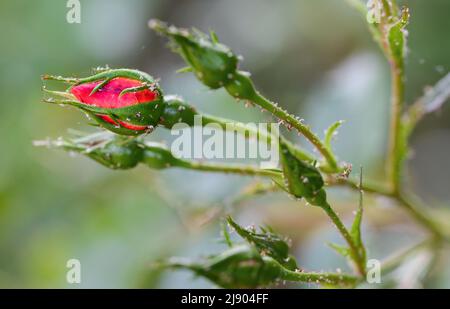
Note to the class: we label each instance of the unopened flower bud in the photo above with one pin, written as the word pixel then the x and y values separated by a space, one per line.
pixel 112 151
pixel 212 62
pixel 127 102
pixel 238 267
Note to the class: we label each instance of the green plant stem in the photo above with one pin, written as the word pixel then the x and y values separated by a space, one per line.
pixel 292 121
pixel 262 135
pixel 391 263
pixel 395 138
pixel 320 278
pixel 230 169
pixel 418 213
pixel 359 263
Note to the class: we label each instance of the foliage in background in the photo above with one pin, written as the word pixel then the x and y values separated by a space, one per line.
pixel 264 259
pixel 52 209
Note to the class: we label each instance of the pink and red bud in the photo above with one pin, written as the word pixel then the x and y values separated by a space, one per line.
pixel 127 102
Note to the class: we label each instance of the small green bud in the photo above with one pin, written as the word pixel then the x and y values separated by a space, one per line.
pixel 238 267
pixel 118 154
pixel 212 62
pixel 112 151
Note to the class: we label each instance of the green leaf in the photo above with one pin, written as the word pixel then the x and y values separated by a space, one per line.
pixel 185 70
pixel 342 250
pixel 355 231
pixel 330 132
pixel 226 235
pixel 397 37
pixel 303 180
pixel 267 243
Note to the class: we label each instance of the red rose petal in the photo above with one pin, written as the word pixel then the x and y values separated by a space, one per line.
pixel 123 124
pixel 108 95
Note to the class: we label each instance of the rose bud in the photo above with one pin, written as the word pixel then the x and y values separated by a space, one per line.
pixel 112 151
pixel 118 152
pixel 127 102
pixel 238 267
pixel 213 63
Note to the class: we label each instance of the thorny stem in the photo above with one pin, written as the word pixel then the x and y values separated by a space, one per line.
pixel 292 121
pixel 230 169
pixel 261 135
pixel 296 276
pixel 395 155
pixel 391 263
pixel 320 278
pixel 419 213
pixel 395 139
pixel 265 136
pixel 359 263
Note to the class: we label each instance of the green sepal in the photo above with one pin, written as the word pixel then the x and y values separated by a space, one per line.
pixel 355 231
pixel 212 62
pixel 342 250
pixel 142 114
pixel 397 38
pixel 330 132
pixel 107 75
pixel 303 180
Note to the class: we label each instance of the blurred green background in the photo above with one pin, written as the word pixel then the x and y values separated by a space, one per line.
pixel 314 57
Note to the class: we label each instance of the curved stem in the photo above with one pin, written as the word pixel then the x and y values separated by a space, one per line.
pixel 395 138
pixel 417 212
pixel 320 278
pixel 359 263
pixel 393 262
pixel 262 135
pixel 292 121
pixel 420 215
pixel 230 169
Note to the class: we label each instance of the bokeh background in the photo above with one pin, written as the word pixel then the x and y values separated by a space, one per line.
pixel 314 57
